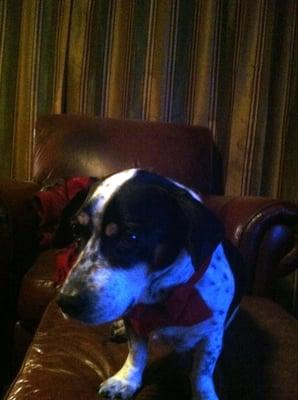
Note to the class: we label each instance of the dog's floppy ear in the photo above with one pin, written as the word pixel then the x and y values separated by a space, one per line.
pixel 205 231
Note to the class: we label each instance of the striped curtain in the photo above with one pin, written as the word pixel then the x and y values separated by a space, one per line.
pixel 230 65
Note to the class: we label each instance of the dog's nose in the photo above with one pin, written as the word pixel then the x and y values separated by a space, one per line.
pixel 72 305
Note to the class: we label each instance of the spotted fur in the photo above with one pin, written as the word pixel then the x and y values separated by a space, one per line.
pixel 144 241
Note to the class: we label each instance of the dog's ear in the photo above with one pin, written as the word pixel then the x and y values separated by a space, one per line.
pixel 204 230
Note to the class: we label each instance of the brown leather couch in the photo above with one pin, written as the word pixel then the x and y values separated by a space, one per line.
pixel 66 359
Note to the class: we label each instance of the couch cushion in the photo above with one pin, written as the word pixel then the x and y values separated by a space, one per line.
pixel 69 360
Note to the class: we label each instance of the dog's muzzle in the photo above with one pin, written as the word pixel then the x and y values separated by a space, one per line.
pixel 74 306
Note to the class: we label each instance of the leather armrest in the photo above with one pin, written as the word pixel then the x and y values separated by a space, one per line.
pixel 265 231
pixel 68 360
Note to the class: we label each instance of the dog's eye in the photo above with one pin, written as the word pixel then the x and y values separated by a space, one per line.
pixel 111 229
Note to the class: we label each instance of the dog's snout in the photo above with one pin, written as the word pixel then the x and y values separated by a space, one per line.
pixel 72 305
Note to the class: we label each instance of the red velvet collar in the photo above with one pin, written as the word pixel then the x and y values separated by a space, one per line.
pixel 183 307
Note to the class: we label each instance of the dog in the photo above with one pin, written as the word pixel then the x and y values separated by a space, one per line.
pixel 156 256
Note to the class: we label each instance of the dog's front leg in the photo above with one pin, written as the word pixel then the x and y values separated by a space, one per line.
pixel 205 358
pixel 127 381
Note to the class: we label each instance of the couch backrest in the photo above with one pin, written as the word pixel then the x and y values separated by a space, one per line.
pixel 72 145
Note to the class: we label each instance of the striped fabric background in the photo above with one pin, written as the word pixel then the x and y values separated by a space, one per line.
pixel 230 65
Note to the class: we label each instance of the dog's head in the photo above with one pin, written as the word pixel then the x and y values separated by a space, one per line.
pixel 133 223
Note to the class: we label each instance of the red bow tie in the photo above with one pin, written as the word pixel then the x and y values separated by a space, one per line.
pixel 184 306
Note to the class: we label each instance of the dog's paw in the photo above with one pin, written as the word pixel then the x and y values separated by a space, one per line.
pixel 120 389
pixel 206 391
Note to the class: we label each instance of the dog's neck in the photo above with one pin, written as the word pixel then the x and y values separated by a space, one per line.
pixel 171 299
pixel 163 281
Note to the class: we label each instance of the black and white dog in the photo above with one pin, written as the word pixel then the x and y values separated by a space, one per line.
pixel 154 255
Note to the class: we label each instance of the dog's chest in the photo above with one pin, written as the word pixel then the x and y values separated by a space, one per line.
pixel 191 311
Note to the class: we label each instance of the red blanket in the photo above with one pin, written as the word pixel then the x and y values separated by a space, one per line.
pixel 50 203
